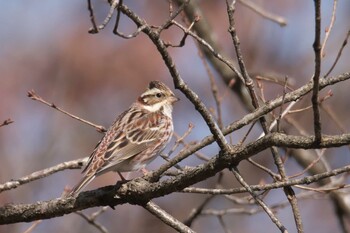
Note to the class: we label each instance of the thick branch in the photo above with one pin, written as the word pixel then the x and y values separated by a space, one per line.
pixel 139 191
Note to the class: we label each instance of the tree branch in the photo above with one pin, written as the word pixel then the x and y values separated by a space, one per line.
pixel 139 191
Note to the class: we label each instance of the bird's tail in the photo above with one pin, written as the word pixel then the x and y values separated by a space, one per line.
pixel 82 183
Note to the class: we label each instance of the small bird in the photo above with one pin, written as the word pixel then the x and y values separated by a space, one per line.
pixel 136 137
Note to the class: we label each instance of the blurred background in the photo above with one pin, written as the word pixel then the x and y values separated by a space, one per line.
pixel 45 46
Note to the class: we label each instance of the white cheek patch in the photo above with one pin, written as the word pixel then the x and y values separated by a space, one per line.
pixel 154 107
pixel 167 108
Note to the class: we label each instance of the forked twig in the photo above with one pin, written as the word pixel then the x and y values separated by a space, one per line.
pixel 92 219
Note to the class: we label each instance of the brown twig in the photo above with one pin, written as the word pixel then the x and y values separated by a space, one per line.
pixel 274 18
pixel 92 219
pixel 167 218
pixel 276 80
pixel 316 76
pixel 6 122
pixel 278 120
pixel 223 224
pixel 319 156
pixel 73 164
pixel 31 94
pixel 196 212
pixel 212 50
pixel 184 37
pixel 33 226
pixel 173 15
pixel 329 29
pixel 250 86
pixel 265 169
pixel 214 87
pixel 92 17
pixel 116 25
pixel 338 55
pixel 260 202
pixel 114 4
pixel 265 187
pixel 179 140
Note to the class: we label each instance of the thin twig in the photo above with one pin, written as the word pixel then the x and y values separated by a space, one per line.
pixel 92 221
pixel 176 145
pixel 223 224
pixel 31 94
pixel 73 164
pixel 267 210
pixel 278 120
pixel 320 101
pixel 197 211
pixel 214 87
pixel 167 218
pixel 338 55
pixel 275 185
pixel 6 122
pixel 248 132
pixel 274 18
pixel 265 169
pixel 319 156
pixel 116 25
pixel 184 37
pixel 211 49
pixel 114 4
pixel 33 226
pixel 274 79
pixel 173 15
pixel 329 29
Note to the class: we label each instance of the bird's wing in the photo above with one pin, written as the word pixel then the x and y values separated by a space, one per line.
pixel 135 132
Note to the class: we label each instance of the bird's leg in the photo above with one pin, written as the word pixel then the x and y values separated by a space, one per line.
pixel 144 171
pixel 121 176
pixel 122 181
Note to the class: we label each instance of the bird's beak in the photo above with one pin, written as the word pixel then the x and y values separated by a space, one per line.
pixel 174 99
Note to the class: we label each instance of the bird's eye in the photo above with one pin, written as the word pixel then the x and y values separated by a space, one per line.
pixel 158 95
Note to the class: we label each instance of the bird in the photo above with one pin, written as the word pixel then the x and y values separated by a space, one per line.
pixel 135 138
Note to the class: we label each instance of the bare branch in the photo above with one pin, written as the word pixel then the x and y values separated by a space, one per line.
pixel 339 54
pixel 266 187
pixel 139 191
pixel 74 164
pixel 329 29
pixel 92 219
pixel 6 122
pixel 92 18
pixel 316 76
pixel 167 218
pixel 267 210
pixel 274 18
pixel 31 94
